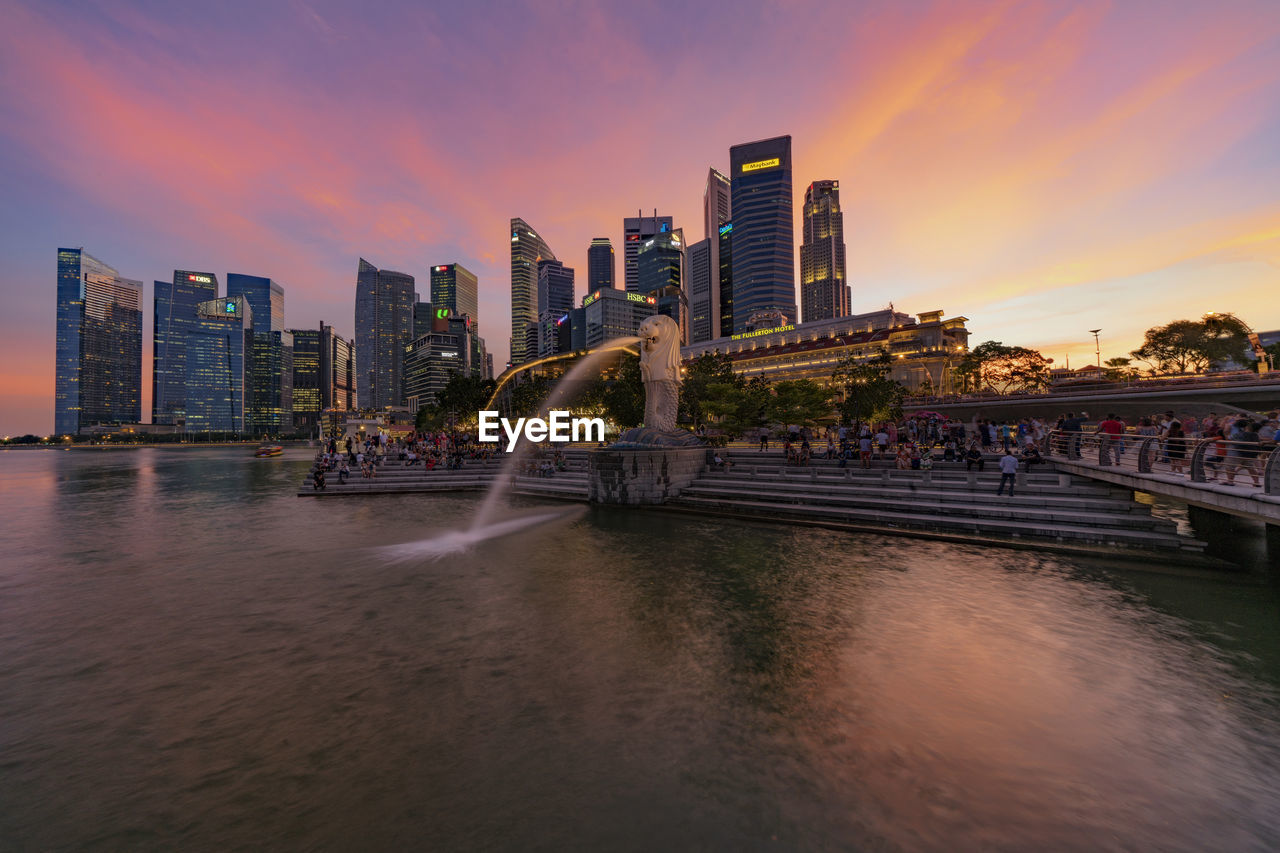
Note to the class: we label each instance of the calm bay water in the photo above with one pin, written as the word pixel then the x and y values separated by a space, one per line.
pixel 192 658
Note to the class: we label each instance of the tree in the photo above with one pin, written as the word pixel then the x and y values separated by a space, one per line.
pixel 1193 346
pixel 1119 368
pixel 429 418
pixel 623 398
pixel 464 396
pixel 870 392
pixel 1003 369
pixel 736 407
pixel 527 397
pixel 706 370
pixel 800 401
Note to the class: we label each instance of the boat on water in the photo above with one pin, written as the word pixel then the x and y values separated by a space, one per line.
pixel 268 450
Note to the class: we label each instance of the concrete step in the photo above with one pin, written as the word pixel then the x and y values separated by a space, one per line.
pixel 1139 538
pixel 915 480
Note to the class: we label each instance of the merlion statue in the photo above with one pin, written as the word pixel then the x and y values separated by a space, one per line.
pixel 660 371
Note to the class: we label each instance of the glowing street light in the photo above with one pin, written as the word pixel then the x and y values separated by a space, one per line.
pixel 1097 346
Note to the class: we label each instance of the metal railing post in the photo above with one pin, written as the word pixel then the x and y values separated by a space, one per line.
pixel 1074 441
pixel 1144 454
pixel 1271 473
pixel 1197 460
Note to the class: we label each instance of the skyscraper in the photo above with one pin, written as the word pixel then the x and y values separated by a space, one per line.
pixel 699 279
pixel 660 274
pixel 555 300
pixel 384 327
pixel 764 280
pixel 824 290
pixel 323 376
pixel 98 375
pixel 527 248
pixel 455 287
pixel 218 361
pixel 600 265
pixel 269 397
pixel 175 304
pixel 636 230
pixel 717 208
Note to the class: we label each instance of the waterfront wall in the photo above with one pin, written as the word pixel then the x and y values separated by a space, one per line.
pixel 635 477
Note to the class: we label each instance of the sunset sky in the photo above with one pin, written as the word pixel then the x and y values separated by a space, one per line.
pixel 1041 168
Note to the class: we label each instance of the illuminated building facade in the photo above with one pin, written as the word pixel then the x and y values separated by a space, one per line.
pixel 384 327
pixel 527 248
pixel 635 231
pixel 269 406
pixel 700 281
pixel 763 257
pixel 924 348
pixel 717 208
pixel 600 264
pixel 174 316
pixel 455 287
pixel 436 357
pixel 660 271
pixel 609 313
pixel 219 366
pixel 98 377
pixel 824 287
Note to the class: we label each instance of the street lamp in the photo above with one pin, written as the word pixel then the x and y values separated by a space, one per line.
pixel 1097 346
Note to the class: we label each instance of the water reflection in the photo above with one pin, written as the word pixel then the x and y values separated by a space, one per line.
pixel 193 658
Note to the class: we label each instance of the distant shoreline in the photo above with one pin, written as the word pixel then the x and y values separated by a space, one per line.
pixel 184 445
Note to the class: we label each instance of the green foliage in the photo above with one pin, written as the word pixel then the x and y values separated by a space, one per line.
pixel 706 370
pixel 1192 346
pixel 1004 369
pixel 738 406
pixel 623 398
pixel 464 396
pixel 870 391
pixel 527 396
pixel 429 418
pixel 1119 368
pixel 801 401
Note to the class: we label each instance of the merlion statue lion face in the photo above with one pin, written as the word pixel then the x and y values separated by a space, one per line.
pixel 659 349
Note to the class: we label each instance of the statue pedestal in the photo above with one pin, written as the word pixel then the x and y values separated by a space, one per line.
pixel 634 476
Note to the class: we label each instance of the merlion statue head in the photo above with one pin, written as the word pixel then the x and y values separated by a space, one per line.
pixel 659 349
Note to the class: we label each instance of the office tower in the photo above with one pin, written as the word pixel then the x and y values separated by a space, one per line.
pixel 436 357
pixel 578 328
pixel 307 379
pixel 716 211
pixel 384 327
pixel 98 375
pixel 555 300
pixel 724 247
pixel 660 274
pixel 635 231
pixel 175 304
pixel 269 399
pixel 527 248
pixel 700 281
pixel 609 313
pixel 764 281
pixel 424 315
pixel 218 362
pixel 338 367
pixel 600 264
pixel 824 290
pixel 488 366
pixel 456 288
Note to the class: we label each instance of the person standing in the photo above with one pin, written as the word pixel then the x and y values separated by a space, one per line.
pixel 864 450
pixel 1008 472
pixel 764 439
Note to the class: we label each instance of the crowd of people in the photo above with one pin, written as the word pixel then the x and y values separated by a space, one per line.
pixel 427 450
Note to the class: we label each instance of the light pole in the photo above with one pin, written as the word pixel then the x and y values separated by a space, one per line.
pixel 1097 346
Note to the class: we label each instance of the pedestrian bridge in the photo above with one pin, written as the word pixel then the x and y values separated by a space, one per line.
pixel 1190 470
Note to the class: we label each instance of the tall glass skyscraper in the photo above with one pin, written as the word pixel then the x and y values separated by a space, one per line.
pixel 635 231
pixel 764 276
pixel 98 377
pixel 824 289
pixel 455 287
pixel 660 274
pixel 527 248
pixel 219 365
pixel 555 300
pixel 699 280
pixel 269 407
pixel 600 263
pixel 384 327
pixel 175 305
pixel 717 208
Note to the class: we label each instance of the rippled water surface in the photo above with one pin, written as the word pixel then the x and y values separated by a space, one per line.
pixel 192 658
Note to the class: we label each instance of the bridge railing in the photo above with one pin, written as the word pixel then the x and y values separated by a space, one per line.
pixel 1199 460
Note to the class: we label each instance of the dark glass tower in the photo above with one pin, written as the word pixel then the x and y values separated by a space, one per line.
pixel 307 379
pixel 527 248
pixel 555 300
pixel 269 398
pixel 660 270
pixel 824 289
pixel 699 281
pixel 716 210
pixel 455 287
pixel 600 264
pixel 175 321
pixel 98 375
pixel 218 363
pixel 384 327
pixel 764 281
pixel 635 231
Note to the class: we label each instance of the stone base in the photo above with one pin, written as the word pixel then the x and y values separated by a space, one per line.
pixel 636 476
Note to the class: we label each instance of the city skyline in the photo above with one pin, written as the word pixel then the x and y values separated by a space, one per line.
pixel 1042 170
